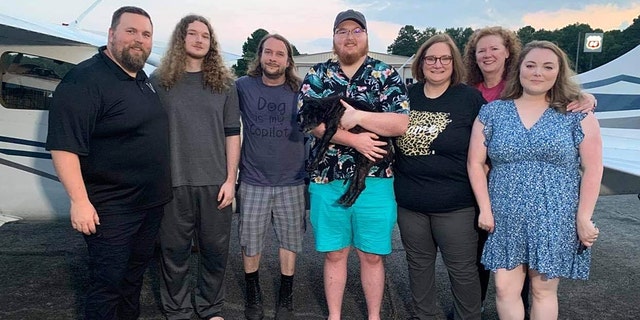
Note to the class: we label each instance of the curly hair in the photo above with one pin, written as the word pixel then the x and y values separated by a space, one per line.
pixel 564 90
pixel 216 75
pixel 418 62
pixel 291 77
pixel 510 41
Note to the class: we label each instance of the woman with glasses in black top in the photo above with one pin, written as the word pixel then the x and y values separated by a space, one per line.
pixel 436 206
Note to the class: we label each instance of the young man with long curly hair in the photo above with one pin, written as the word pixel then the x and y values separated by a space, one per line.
pixel 198 92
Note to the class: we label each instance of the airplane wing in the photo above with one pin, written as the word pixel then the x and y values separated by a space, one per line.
pixel 616 85
pixel 15 31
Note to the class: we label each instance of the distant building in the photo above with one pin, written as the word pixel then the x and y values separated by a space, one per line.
pixel 401 63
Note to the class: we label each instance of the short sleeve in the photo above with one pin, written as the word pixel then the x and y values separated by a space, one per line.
pixel 394 94
pixel 311 87
pixel 232 112
pixel 577 133
pixel 484 116
pixel 72 117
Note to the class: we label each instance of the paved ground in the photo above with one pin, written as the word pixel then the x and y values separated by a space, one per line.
pixel 43 275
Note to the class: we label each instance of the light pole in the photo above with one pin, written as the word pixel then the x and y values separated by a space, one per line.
pixel 577 53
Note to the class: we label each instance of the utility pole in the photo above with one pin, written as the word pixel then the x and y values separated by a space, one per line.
pixel 577 53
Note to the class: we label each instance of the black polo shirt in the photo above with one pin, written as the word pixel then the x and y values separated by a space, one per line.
pixel 119 130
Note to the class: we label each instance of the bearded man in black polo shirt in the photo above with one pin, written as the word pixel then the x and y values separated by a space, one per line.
pixel 108 137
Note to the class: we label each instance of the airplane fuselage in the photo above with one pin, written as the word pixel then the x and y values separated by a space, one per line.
pixel 29 187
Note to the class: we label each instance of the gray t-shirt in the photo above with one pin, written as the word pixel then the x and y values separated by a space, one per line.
pixel 272 145
pixel 199 122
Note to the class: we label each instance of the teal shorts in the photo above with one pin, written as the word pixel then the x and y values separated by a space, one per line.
pixel 367 225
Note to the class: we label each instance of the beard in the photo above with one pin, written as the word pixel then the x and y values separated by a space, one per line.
pixel 349 58
pixel 272 74
pixel 130 61
pixel 197 55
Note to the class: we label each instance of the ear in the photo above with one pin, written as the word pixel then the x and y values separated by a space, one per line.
pixel 310 102
pixel 110 35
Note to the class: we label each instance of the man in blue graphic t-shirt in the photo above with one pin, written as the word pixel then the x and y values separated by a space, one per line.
pixel 271 170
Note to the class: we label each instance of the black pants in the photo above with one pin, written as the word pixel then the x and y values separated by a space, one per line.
pixel 454 233
pixel 119 253
pixel 193 215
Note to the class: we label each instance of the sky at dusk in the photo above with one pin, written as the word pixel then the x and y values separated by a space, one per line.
pixel 309 26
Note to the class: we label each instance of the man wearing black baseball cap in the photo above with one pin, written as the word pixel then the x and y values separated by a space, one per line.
pixel 350 15
pixel 368 223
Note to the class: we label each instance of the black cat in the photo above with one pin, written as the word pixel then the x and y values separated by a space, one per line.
pixel 329 111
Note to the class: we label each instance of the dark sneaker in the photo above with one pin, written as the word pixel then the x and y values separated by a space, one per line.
pixel 253 312
pixel 284 308
pixel 283 313
pixel 253 303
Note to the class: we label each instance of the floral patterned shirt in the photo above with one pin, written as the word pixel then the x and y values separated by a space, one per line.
pixel 376 83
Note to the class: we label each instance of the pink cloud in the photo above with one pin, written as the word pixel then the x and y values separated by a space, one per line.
pixel 606 17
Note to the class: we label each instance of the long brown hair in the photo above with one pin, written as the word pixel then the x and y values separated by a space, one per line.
pixel 291 77
pixel 510 41
pixel 564 90
pixel 418 61
pixel 215 74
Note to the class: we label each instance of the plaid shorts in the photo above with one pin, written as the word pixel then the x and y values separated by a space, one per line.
pixel 283 207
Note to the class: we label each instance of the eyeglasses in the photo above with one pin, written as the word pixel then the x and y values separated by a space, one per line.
pixel 444 60
pixel 355 32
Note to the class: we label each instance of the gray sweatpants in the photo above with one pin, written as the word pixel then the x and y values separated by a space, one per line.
pixel 193 215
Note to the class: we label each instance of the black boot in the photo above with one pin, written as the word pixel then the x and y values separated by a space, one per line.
pixel 284 307
pixel 253 301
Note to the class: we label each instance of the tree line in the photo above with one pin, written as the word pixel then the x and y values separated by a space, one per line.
pixel 615 42
pixel 409 39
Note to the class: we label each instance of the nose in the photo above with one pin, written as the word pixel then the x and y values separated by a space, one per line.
pixel 140 38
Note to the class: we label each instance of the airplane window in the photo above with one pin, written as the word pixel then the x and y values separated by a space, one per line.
pixel 28 81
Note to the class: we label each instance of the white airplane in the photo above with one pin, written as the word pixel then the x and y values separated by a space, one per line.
pixel 34 57
pixel 616 85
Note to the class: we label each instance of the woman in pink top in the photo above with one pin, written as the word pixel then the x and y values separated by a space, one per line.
pixel 489 56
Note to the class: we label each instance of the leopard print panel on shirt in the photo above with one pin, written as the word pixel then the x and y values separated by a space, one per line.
pixel 424 128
